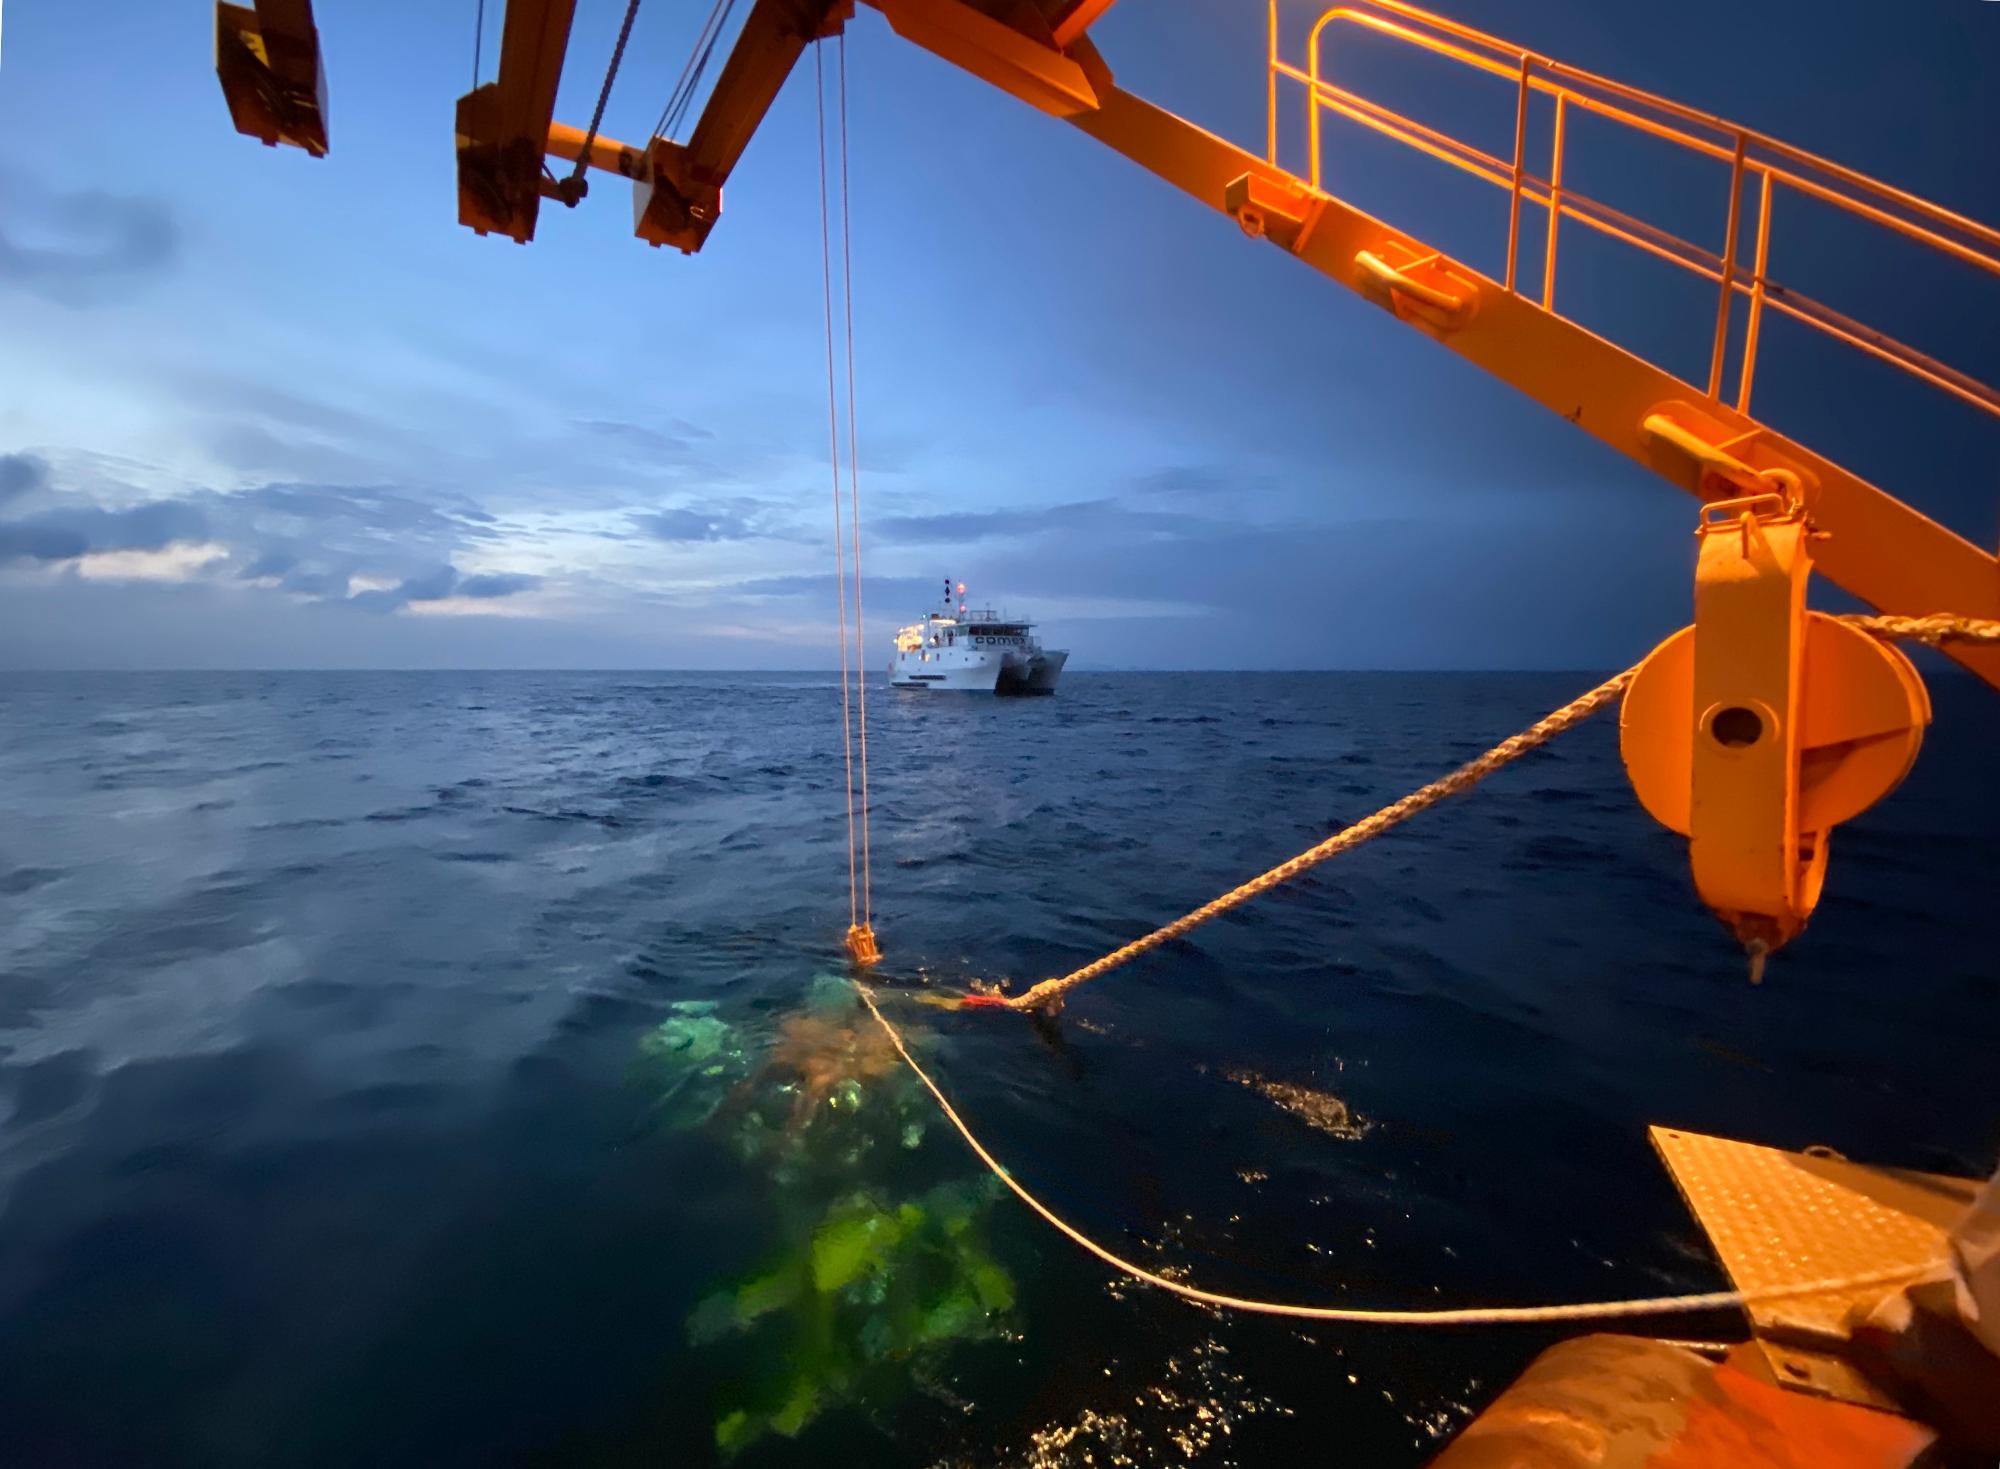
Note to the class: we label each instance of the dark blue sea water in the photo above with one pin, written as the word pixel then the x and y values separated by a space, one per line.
pixel 430 1069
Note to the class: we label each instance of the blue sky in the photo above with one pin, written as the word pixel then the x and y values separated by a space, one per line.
pixel 263 410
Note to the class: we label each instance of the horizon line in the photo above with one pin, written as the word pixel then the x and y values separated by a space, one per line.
pixel 1933 669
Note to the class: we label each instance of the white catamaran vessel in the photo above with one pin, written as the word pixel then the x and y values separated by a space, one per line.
pixel 978 651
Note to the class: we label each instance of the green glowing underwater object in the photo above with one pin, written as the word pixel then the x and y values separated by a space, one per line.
pixel 866 1295
pixel 695 1060
pixel 868 1290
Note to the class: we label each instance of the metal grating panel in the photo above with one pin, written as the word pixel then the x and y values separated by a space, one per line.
pixel 1778 1218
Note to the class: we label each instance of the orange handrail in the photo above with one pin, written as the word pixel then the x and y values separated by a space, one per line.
pixel 1748 153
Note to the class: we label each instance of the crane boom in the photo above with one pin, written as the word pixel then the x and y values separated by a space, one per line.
pixel 1878 547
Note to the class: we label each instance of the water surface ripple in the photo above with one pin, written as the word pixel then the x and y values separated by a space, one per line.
pixel 324 1138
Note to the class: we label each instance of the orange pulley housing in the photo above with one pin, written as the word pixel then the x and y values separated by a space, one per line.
pixel 1756 731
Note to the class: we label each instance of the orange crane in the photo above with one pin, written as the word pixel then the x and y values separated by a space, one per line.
pixel 1754 731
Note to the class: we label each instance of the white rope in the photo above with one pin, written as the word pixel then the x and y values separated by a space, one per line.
pixel 1446 1316
pixel 839 522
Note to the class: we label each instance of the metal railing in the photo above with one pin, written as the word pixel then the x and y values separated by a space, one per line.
pixel 1772 166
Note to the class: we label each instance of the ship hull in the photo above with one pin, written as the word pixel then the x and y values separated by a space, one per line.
pixel 973 653
pixel 975 679
pixel 1033 675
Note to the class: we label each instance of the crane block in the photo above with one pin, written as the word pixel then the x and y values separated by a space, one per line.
pixel 268 60
pixel 1757 730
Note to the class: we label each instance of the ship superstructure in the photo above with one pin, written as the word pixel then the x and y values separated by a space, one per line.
pixel 974 650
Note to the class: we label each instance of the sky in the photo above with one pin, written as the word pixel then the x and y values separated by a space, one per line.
pixel 262 410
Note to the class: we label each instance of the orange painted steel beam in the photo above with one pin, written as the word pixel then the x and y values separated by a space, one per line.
pixel 503 126
pixel 268 60
pixel 1880 549
pixel 1018 64
pixel 680 197
pixel 774 36
pixel 1081 17
pixel 606 154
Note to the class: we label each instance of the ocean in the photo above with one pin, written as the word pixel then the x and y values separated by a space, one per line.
pixel 439 1069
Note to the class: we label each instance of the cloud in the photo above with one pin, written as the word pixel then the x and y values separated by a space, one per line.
pixel 319 585
pixel 27 540
pixel 145 527
pixel 432 585
pixel 785 586
pixel 820 586
pixel 441 584
pixel 619 456
pixel 313 538
pixel 498 584
pixel 254 448
pixel 72 246
pixel 677 438
pixel 258 398
pixel 178 561
pixel 21 474
pixel 957 526
pixel 270 434
pixel 1192 479
pixel 64 535
pixel 71 623
pixel 682 525
pixel 371 548
pixel 369 510
pixel 269 564
pixel 1097 518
